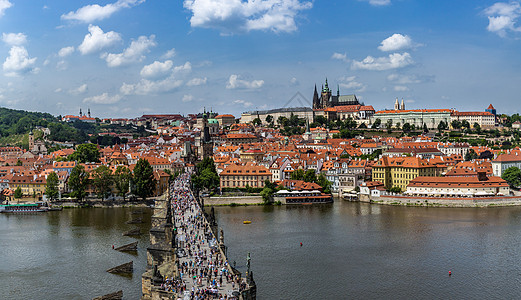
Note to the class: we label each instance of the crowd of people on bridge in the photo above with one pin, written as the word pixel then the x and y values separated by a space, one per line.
pixel 204 272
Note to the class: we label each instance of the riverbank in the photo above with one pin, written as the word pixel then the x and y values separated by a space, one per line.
pixel 233 201
pixel 446 202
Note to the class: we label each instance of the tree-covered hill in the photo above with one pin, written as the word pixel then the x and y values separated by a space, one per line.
pixel 19 121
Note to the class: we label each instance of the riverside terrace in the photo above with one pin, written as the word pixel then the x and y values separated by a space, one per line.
pixel 194 266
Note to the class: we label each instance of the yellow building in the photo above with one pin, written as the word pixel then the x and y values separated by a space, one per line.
pixel 30 185
pixel 399 171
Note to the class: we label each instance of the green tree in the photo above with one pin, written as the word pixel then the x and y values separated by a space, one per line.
pixel 406 128
pixel 324 183
pixel 18 193
pixel 51 189
pixel 389 124
pixel 456 124
pixel 376 123
pixel 396 190
pixel 206 175
pixel 269 119
pixel 256 121
pixel 297 175
pixel 397 126
pixel 425 129
pixel 477 127
pixel 465 124
pixel 349 123
pixel 102 181
pixel 513 176
pixel 144 181
pixel 78 181
pixel 283 121
pixel 310 176
pixel 19 163
pixel 85 153
pixel 267 192
pixel 470 155
pixel 442 126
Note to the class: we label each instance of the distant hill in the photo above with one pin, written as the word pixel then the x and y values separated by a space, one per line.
pixel 14 122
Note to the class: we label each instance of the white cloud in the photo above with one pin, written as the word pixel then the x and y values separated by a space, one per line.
pixel 379 2
pixel 58 90
pixel 187 98
pixel 350 83
pixel 294 81
pixel 97 40
pixel 231 16
pixel 197 81
pixel 169 54
pixel 103 99
pixel 95 12
pixel 396 42
pixel 400 88
pixel 393 61
pixel 187 67
pixel 156 69
pixel 243 103
pixel 149 87
pixel 14 39
pixel 18 62
pixel 62 65
pixel 4 4
pixel 134 53
pixel 82 89
pixel 502 17
pixel 234 82
pixel 66 51
pixel 340 56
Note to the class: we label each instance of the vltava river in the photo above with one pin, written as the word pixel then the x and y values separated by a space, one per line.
pixel 349 251
pixel 362 251
pixel 64 254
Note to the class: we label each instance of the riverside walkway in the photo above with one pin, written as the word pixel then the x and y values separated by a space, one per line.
pixel 204 270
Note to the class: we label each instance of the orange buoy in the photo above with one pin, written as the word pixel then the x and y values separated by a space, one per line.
pixel 450 273
pixel 300 244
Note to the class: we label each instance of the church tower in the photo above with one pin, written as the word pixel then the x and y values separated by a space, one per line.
pixel 31 141
pixel 396 104
pixel 402 106
pixel 206 140
pixel 325 96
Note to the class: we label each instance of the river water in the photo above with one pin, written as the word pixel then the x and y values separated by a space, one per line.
pixel 349 251
pixel 65 254
pixel 362 251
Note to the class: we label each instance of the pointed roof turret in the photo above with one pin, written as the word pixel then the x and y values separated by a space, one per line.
pixel 402 106
pixel 338 90
pixel 396 104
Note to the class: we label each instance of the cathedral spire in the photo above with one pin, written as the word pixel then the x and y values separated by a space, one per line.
pixel 402 106
pixel 316 101
pixel 396 104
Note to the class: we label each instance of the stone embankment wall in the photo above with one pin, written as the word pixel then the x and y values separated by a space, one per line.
pixel 244 200
pixel 444 202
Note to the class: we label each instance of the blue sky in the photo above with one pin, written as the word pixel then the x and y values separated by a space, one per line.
pixel 124 58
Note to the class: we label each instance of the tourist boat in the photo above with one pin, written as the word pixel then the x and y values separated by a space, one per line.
pixel 22 208
pixel 246 222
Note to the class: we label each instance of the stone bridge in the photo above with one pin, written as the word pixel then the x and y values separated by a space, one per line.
pixel 185 259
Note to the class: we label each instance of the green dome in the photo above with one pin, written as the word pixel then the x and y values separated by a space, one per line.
pixel 213 121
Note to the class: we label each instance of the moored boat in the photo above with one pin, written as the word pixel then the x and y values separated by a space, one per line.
pixel 22 208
